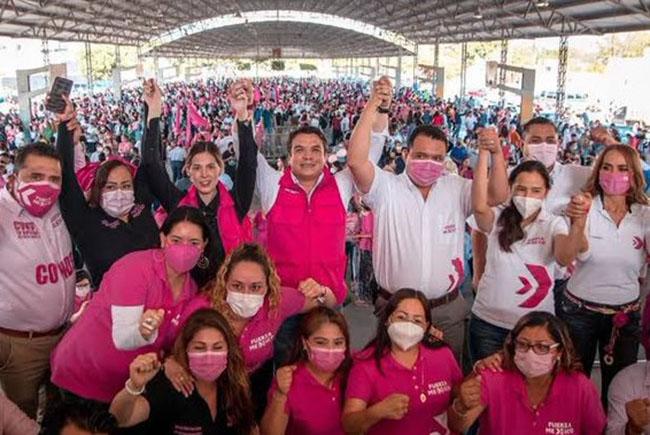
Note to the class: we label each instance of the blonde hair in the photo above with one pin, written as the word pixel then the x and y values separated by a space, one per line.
pixel 253 253
pixel 637 192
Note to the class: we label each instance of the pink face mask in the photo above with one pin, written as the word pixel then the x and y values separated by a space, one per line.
pixel 207 366
pixel 328 360
pixel 614 183
pixel 424 173
pixel 182 258
pixel 532 365
pixel 545 153
pixel 37 198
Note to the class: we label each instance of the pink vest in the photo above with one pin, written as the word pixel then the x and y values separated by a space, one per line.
pixel 232 232
pixel 307 239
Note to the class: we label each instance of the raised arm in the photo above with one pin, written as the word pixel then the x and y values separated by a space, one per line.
pixel 483 213
pixel 275 418
pixel 72 201
pixel 129 406
pixel 244 183
pixel 359 162
pixel 498 185
pixel 157 178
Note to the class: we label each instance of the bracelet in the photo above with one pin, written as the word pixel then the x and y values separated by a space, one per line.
pixel 130 391
pixel 382 110
pixel 454 407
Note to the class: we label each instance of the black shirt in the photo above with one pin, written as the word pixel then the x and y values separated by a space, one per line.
pixel 174 414
pixel 100 238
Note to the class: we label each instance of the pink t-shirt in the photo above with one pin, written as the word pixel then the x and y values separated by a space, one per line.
pixel 256 339
pixel 86 361
pixel 432 377
pixel 571 407
pixel 312 407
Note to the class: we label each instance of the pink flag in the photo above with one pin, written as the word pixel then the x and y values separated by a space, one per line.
pixel 195 117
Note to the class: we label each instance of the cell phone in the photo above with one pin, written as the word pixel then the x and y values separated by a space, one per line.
pixel 60 87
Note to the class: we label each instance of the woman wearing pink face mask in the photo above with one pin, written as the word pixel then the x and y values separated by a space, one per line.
pixel 540 388
pixel 139 307
pixel 220 403
pixel 306 396
pixel 601 303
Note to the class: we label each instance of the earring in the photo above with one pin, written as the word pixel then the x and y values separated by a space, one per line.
pixel 203 262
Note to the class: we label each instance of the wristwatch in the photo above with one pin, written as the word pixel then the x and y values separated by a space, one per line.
pixel 382 110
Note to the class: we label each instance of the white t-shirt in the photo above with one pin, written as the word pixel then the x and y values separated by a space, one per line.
pixel 517 282
pixel 418 243
pixel 608 273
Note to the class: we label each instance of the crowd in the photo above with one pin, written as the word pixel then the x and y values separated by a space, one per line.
pixel 160 276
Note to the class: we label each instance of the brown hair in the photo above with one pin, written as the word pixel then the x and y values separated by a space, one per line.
pixel 381 344
pixel 203 147
pixel 509 222
pixel 233 384
pixel 637 192
pixel 309 324
pixel 569 361
pixel 253 253
pixel 307 129
pixel 101 178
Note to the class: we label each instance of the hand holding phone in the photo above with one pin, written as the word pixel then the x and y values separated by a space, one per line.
pixel 61 86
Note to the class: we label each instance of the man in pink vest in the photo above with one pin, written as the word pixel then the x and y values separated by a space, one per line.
pixel 306 209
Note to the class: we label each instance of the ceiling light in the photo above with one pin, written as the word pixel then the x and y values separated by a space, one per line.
pixel 542 4
pixel 478 15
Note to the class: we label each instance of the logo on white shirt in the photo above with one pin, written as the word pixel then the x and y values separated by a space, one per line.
pixel 559 428
pixel 544 283
pixel 536 241
pixel 449 229
pixel 638 243
pixel 26 230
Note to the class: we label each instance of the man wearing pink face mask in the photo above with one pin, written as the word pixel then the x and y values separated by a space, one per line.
pixel 37 277
pixel 420 216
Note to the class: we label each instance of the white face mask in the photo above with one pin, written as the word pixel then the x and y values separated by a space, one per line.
pixel 117 202
pixel 405 334
pixel 545 153
pixel 526 205
pixel 245 305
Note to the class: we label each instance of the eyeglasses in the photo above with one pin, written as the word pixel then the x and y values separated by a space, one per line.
pixel 538 348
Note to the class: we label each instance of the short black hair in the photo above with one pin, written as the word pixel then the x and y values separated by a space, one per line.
pixel 307 129
pixel 86 415
pixel 429 131
pixel 539 120
pixel 34 149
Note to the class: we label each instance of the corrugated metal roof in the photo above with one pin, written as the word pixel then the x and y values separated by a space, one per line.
pixel 135 22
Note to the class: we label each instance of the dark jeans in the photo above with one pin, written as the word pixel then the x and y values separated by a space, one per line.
pixel 590 331
pixel 559 287
pixel 485 338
